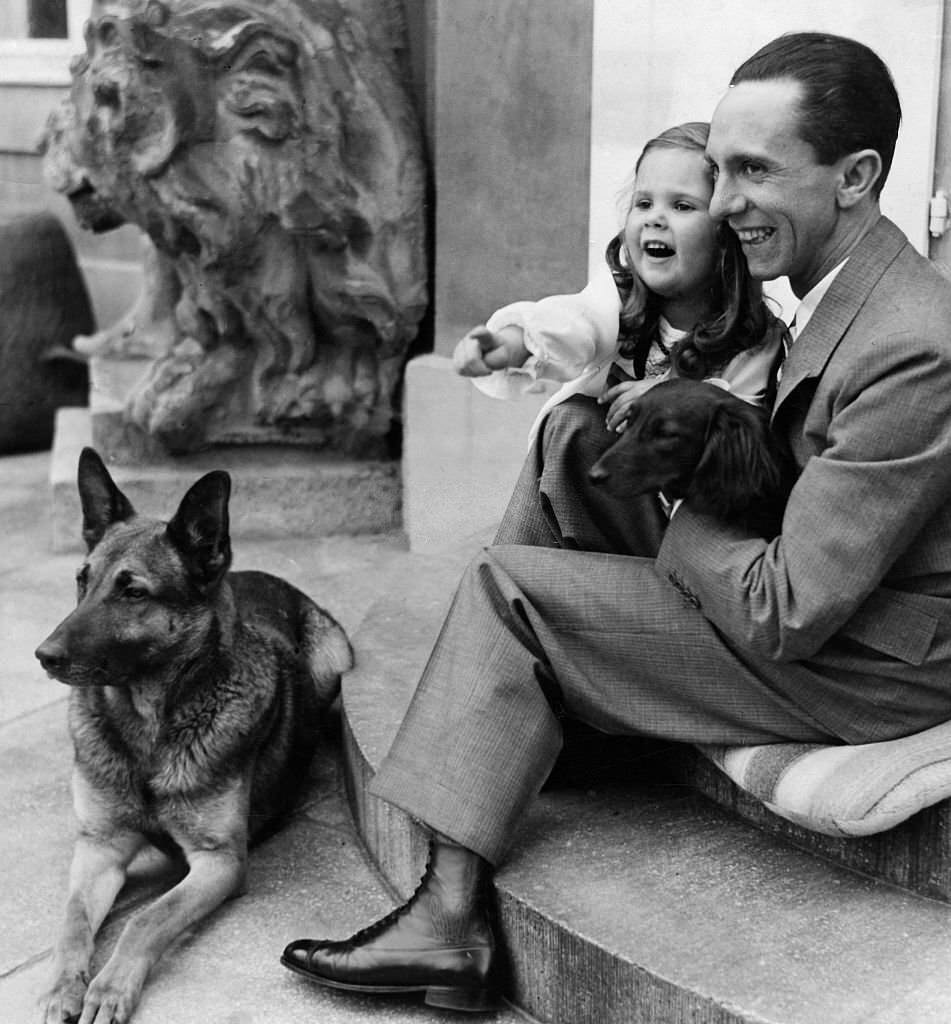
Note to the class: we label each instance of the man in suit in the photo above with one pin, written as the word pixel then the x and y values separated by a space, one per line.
pixel 839 630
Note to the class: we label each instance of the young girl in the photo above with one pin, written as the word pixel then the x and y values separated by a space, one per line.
pixel 674 297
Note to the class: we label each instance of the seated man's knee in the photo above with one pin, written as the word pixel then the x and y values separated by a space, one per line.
pixel 578 418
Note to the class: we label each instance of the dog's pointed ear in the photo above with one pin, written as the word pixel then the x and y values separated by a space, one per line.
pixel 200 529
pixel 103 503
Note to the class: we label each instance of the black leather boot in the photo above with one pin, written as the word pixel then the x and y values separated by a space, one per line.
pixel 439 942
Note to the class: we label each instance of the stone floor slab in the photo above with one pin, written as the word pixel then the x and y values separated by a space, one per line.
pixel 312 878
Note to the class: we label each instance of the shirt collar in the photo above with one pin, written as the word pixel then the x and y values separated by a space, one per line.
pixel 813 297
pixel 669 334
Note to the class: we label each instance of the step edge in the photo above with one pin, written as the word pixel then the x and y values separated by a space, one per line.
pixel 398 846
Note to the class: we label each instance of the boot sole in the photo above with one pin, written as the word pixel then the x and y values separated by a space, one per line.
pixel 450 997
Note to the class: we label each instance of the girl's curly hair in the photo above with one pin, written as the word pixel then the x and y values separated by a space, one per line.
pixel 741 319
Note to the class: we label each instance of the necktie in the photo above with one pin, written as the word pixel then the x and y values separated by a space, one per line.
pixel 788 339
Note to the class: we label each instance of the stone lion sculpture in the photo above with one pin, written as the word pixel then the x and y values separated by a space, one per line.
pixel 270 152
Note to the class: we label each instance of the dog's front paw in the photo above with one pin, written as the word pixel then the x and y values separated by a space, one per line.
pixel 63 1003
pixel 114 993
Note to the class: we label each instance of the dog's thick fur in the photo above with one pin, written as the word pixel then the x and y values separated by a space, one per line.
pixel 194 715
pixel 693 440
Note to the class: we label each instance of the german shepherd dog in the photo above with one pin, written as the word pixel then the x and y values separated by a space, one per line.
pixel 194 713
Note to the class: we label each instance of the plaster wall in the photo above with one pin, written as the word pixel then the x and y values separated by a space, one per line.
pixel 510 115
pixel 657 64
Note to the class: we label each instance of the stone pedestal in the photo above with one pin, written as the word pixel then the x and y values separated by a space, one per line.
pixel 462 453
pixel 276 491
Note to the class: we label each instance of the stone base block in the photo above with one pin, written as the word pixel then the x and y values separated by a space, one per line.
pixel 276 492
pixel 462 453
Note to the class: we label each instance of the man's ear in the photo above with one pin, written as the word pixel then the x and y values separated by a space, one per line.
pixel 859 173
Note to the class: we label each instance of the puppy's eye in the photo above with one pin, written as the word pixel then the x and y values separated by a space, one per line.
pixel 662 431
pixel 134 593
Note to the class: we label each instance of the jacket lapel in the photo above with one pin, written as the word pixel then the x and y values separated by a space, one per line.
pixel 839 306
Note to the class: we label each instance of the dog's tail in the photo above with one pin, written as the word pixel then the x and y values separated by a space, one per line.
pixel 327 650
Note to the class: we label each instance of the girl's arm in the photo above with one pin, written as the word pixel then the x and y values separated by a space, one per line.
pixel 556 338
pixel 483 351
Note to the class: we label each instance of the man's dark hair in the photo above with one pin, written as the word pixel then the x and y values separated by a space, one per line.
pixel 849 99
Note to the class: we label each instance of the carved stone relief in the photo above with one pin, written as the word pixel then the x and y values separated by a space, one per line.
pixel 270 152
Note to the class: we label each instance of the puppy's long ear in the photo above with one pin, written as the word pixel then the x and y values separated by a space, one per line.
pixel 738 467
pixel 103 503
pixel 200 529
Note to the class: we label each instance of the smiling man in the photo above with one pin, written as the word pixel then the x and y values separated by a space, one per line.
pixel 838 630
pixel 800 148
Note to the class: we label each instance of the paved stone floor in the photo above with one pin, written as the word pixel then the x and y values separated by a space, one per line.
pixel 313 878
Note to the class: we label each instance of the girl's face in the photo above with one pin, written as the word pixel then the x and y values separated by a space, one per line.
pixel 669 235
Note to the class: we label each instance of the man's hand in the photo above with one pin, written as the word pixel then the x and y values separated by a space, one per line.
pixel 482 351
pixel 620 398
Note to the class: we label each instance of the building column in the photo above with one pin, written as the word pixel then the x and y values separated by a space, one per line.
pixel 508 122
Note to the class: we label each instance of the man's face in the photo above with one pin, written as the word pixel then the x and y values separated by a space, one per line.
pixel 770 188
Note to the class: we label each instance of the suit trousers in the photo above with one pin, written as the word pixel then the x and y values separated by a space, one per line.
pixel 554 504
pixel 539 630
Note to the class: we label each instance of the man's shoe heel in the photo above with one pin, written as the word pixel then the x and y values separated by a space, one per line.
pixel 472 1000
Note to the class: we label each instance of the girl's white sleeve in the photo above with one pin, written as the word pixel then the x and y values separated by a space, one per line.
pixel 564 334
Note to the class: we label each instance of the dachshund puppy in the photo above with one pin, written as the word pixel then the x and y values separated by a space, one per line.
pixel 693 440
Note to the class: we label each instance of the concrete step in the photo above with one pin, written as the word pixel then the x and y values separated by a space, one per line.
pixel 279 493
pixel 915 855
pixel 629 896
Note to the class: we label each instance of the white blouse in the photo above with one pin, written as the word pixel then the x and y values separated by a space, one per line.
pixel 574 339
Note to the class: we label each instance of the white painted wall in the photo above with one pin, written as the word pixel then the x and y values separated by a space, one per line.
pixel 661 62
pixel 13 19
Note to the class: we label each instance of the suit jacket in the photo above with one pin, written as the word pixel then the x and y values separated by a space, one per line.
pixel 859 582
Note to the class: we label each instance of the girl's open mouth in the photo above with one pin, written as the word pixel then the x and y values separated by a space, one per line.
pixel 659 250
